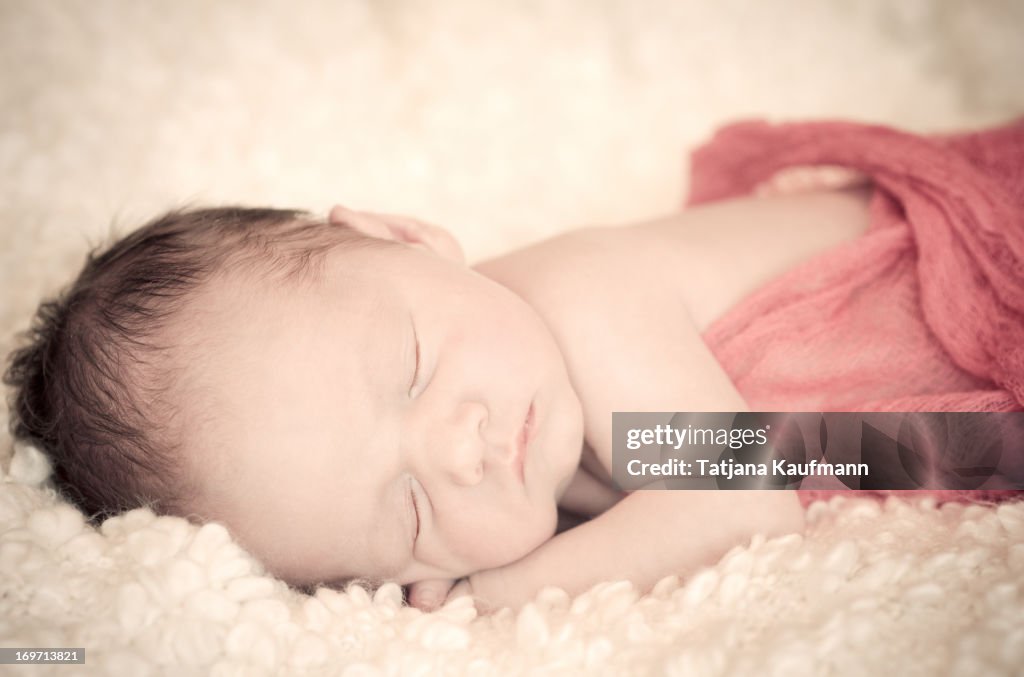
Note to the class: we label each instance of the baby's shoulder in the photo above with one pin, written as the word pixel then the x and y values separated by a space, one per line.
pixel 705 259
pixel 585 272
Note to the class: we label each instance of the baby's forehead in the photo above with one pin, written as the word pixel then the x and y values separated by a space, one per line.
pixel 240 319
pixel 239 294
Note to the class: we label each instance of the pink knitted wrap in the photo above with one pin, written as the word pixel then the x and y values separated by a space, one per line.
pixel 924 312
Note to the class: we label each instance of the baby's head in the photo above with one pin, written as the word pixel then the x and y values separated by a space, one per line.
pixel 344 394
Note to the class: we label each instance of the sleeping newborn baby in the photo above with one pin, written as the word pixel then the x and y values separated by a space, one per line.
pixel 354 402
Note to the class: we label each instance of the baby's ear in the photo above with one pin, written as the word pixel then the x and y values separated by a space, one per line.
pixel 401 229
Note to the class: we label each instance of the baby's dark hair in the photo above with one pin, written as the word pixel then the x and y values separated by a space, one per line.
pixel 90 387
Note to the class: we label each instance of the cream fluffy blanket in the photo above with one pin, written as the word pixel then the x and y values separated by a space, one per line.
pixel 504 122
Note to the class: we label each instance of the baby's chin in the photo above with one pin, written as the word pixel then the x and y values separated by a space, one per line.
pixel 543 533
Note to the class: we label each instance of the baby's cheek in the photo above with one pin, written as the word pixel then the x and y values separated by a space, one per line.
pixel 501 540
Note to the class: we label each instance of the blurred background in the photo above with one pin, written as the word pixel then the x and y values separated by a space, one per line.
pixel 503 121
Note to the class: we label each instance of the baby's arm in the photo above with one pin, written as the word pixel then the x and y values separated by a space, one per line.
pixel 643 538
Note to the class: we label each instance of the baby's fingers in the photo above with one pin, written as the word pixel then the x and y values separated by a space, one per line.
pixel 462 588
pixel 808 178
pixel 429 594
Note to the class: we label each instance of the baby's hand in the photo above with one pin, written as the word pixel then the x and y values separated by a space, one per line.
pixel 493 589
pixel 430 594
pixel 808 178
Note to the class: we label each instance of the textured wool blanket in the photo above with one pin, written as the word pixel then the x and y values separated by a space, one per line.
pixel 925 312
pixel 871 588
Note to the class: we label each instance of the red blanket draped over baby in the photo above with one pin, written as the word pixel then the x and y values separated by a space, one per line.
pixel 924 312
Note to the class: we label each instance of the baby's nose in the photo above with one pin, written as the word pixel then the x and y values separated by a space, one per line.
pixel 461 446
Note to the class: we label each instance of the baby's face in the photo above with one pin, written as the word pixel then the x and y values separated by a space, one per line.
pixel 369 427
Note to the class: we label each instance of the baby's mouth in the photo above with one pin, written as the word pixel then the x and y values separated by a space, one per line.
pixel 523 443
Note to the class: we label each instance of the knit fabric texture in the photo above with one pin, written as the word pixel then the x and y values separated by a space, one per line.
pixel 922 313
